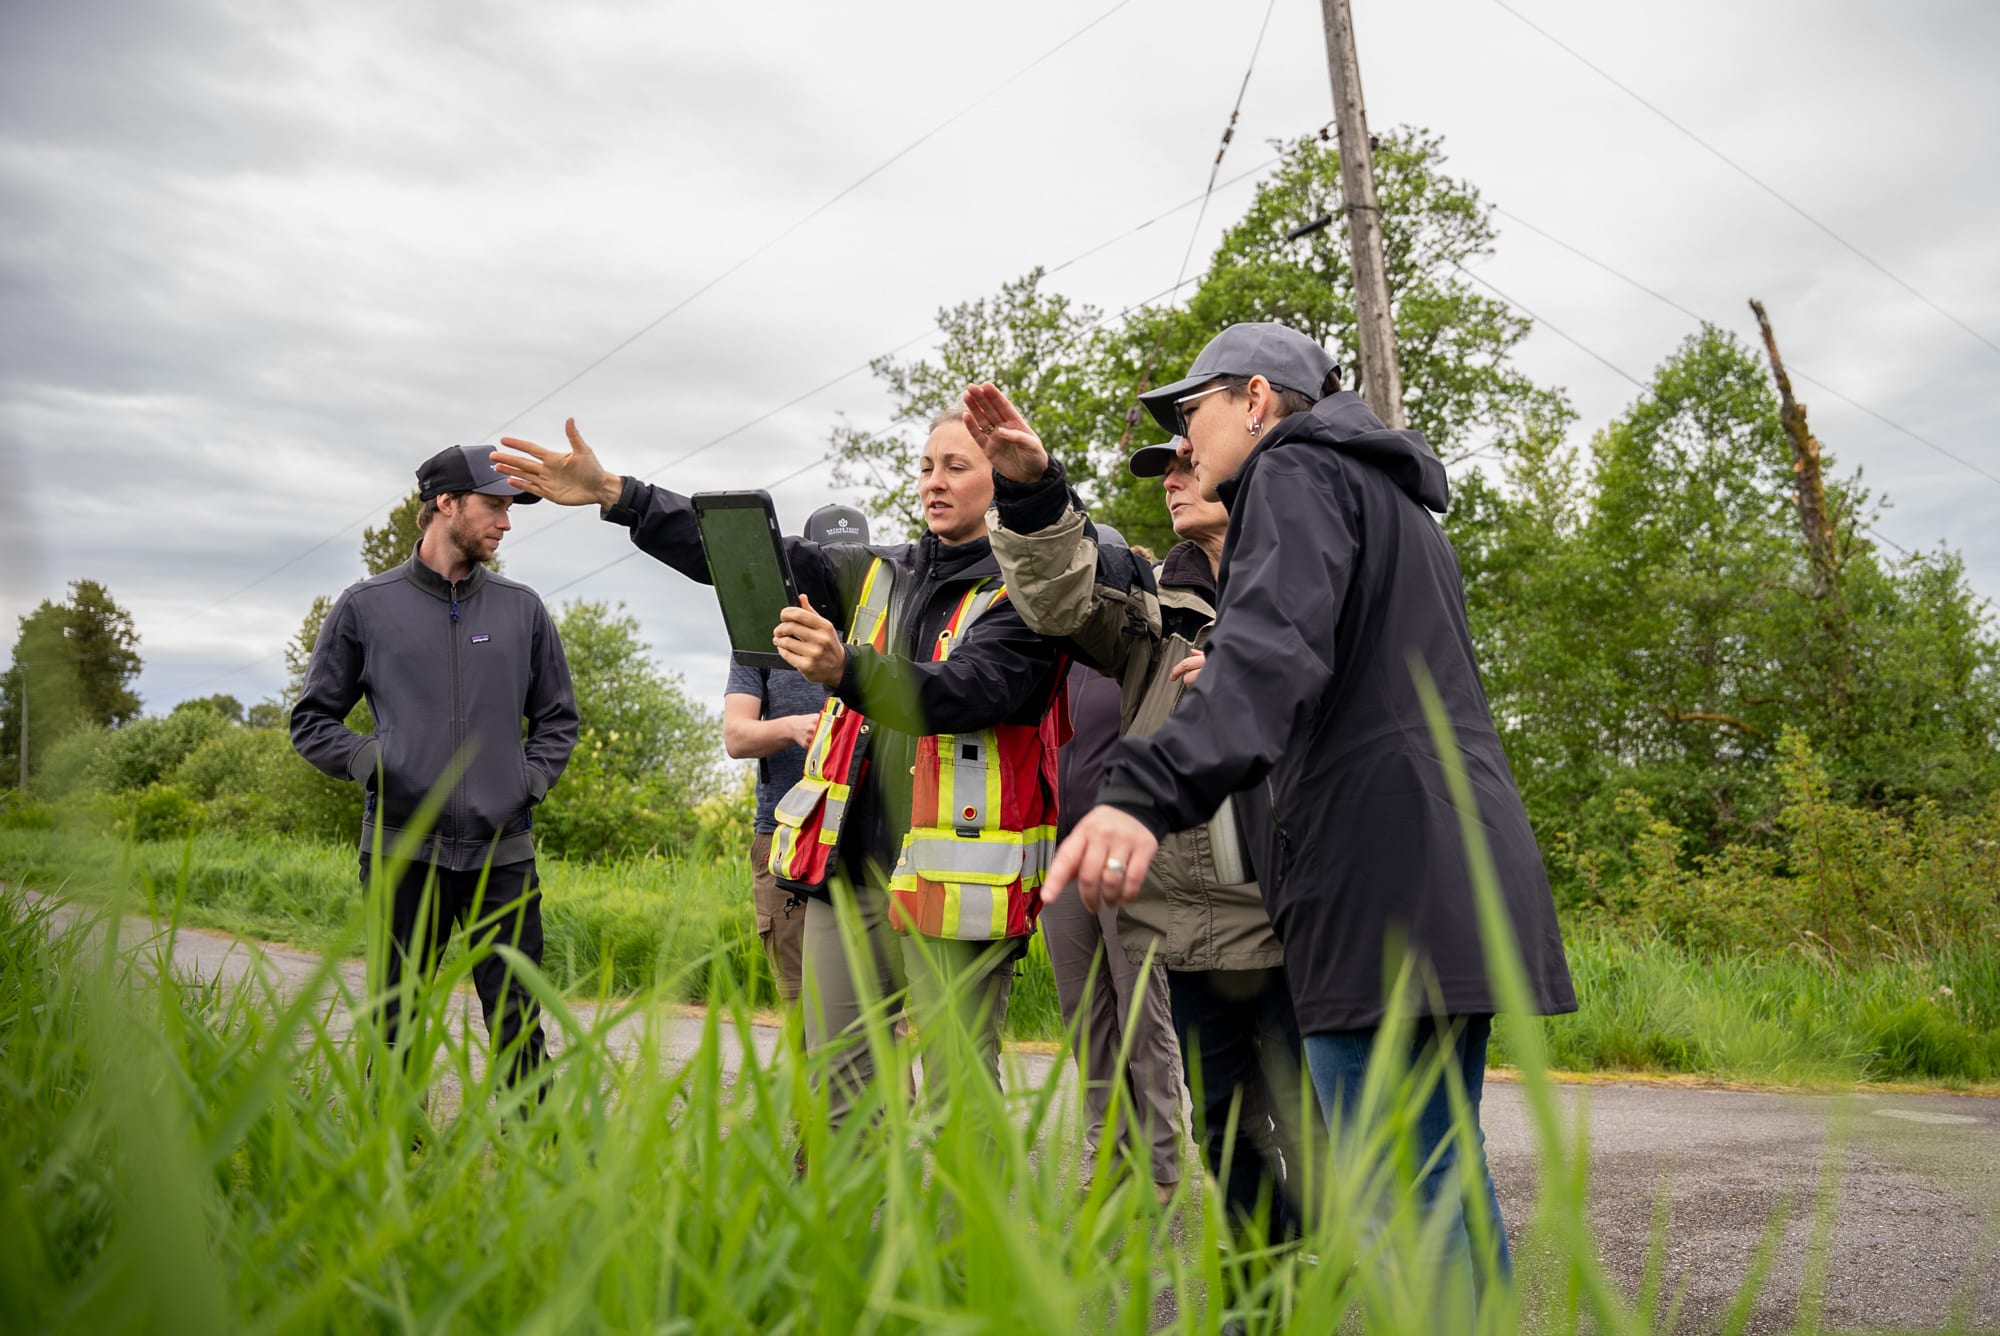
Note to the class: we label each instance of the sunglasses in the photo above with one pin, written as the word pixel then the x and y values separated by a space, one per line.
pixel 1180 406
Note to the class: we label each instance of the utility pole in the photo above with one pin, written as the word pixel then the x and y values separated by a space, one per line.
pixel 1381 380
pixel 1809 485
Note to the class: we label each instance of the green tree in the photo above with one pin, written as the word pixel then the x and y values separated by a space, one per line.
pixel 1037 344
pixel 74 662
pixel 387 547
pixel 647 756
pixel 1076 376
pixel 265 714
pixel 298 651
pixel 228 707
pixel 1455 346
pixel 1648 626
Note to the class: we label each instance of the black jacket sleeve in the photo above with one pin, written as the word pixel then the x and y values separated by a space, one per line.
pixel 1270 656
pixel 333 685
pixel 551 709
pixel 663 527
pixel 1001 672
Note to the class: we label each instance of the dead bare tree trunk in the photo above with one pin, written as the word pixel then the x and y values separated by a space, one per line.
pixel 1809 488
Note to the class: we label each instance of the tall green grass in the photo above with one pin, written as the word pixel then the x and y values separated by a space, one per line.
pixel 609 928
pixel 1790 1017
pixel 188 1157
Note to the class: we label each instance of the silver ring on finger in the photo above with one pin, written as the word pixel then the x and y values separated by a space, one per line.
pixel 1115 866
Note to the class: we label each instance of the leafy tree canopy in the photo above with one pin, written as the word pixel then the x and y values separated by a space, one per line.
pixel 75 662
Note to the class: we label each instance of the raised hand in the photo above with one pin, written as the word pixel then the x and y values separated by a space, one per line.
pixel 568 478
pixel 1011 445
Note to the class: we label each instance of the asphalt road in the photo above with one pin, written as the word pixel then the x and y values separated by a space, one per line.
pixel 1918 1201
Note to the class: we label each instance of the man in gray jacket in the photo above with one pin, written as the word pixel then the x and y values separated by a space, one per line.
pixel 451 659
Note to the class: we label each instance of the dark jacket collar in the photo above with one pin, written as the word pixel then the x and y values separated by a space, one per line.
pixel 1345 423
pixel 955 561
pixel 428 580
pixel 1186 567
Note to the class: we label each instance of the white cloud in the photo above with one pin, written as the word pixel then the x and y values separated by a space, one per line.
pixel 257 261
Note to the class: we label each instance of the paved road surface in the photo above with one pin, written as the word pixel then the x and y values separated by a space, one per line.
pixel 1919 1200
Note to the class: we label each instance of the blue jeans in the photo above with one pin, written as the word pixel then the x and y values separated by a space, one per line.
pixel 1339 1064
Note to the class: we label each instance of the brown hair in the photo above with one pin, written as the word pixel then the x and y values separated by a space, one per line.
pixel 429 509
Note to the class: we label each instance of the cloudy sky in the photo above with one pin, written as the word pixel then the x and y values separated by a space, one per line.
pixel 258 260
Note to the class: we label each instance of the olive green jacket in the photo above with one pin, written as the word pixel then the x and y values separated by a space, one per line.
pixel 1185 911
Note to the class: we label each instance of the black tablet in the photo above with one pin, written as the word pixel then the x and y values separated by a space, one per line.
pixel 746 563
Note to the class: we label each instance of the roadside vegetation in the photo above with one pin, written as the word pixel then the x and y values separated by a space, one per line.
pixel 1920 1009
pixel 1765 773
pixel 189 1156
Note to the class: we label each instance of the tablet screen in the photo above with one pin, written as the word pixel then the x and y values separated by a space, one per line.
pixel 741 543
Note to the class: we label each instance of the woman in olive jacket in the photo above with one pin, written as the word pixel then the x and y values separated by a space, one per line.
pixel 1202 923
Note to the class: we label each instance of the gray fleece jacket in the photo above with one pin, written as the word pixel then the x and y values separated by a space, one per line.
pixel 449 671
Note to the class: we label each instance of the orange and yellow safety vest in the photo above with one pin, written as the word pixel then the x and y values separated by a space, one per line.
pixel 983 805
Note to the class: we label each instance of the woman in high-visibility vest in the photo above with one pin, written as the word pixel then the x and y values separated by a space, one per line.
pixel 930 800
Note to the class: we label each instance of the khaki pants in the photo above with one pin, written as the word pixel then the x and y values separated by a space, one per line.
pixel 956 994
pixel 1084 943
pixel 781 921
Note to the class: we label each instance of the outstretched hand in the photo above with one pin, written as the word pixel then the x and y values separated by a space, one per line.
pixel 1106 855
pixel 811 644
pixel 568 478
pixel 1011 445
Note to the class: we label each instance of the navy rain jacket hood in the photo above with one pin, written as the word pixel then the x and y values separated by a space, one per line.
pixel 1334 576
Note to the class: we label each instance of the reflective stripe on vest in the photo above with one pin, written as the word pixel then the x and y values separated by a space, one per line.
pixel 962 872
pixel 812 814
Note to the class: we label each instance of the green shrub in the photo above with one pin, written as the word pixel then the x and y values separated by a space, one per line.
pixel 163 812
pixel 250 780
pixel 1853 881
pixel 20 812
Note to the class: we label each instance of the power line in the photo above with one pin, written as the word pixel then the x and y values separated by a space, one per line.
pixel 1228 133
pixel 1862 525
pixel 808 217
pixel 1553 329
pixel 1132 415
pixel 622 559
pixel 1161 217
pixel 700 291
pixel 1745 173
pixel 742 427
pixel 1810 379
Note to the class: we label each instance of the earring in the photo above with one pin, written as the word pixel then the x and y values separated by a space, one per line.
pixel 1256 425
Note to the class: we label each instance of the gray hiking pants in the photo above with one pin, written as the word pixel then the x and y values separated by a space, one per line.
pixel 955 992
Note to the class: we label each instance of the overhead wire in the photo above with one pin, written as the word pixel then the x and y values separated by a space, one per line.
pixel 987 95
pixel 1745 173
pixel 1793 367
pixel 1194 234
pixel 1865 527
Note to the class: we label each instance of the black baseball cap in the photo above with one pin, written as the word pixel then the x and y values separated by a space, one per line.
pixel 1153 461
pixel 466 468
pixel 1278 353
pixel 837 524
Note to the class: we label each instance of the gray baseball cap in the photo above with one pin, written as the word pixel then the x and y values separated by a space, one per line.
pixel 837 524
pixel 1278 353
